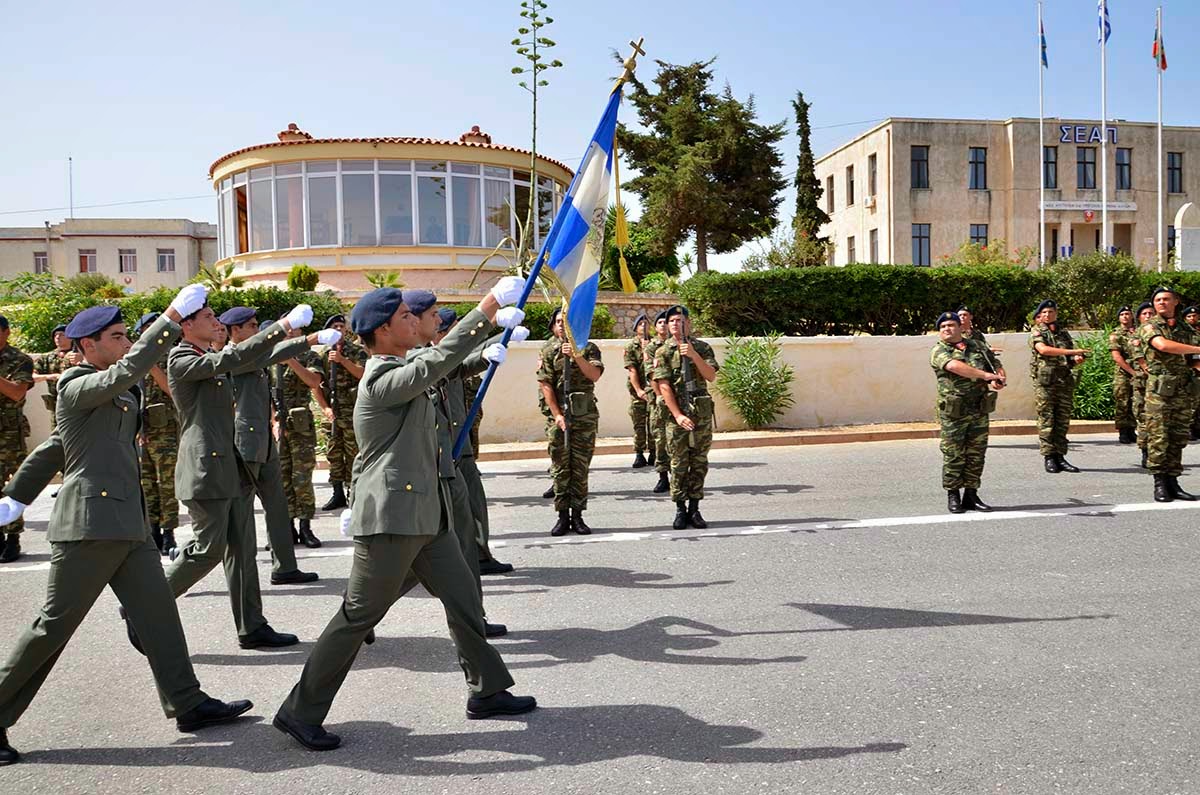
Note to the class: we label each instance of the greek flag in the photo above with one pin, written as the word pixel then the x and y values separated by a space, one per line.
pixel 1045 63
pixel 1104 29
pixel 575 244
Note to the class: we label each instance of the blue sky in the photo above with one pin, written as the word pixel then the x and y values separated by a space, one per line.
pixel 145 96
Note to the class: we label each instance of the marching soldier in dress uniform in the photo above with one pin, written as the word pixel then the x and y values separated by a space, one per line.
pixel 160 447
pixel 659 416
pixel 568 380
pixel 1123 376
pixel 292 386
pixel 1053 354
pixel 640 394
pixel 98 531
pixel 400 516
pixel 48 367
pixel 343 367
pixel 965 370
pixel 683 368
pixel 16 377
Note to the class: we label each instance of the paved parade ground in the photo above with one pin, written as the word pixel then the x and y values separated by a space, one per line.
pixel 833 631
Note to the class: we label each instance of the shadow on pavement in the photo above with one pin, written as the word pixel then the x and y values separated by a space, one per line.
pixel 641 495
pixel 602 576
pixel 648 472
pixel 857 618
pixel 806 524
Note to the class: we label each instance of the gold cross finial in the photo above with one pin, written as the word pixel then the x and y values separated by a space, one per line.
pixel 631 62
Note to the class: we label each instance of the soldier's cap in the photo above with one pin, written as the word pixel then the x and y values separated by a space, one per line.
pixel 375 308
pixel 143 321
pixel 962 309
pixel 1049 303
pixel 942 318
pixel 1191 310
pixel 678 309
pixel 58 328
pixel 640 319
pixel 3 323
pixel 92 321
pixel 237 316
pixel 448 318
pixel 660 316
pixel 333 319
pixel 1162 288
pixel 418 301
pixel 1124 309
pixel 1142 307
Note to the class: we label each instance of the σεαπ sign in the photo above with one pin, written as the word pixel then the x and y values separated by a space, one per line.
pixel 1083 134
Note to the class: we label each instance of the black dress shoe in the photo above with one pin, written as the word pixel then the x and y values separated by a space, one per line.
pixel 953 501
pixel 1052 464
pixel 129 633
pixel 639 460
pixel 370 638
pixel 314 738
pixel 494 566
pixel 211 712
pixel 563 525
pixel 8 754
pixel 12 548
pixel 294 577
pixel 1177 492
pixel 491 630
pixel 694 517
pixel 681 516
pixel 663 485
pixel 306 534
pixel 548 494
pixel 577 523
pixel 1162 491
pixel 1066 466
pixel 266 638
pixel 502 703
pixel 971 501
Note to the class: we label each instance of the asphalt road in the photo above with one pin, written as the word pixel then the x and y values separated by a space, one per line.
pixel 833 631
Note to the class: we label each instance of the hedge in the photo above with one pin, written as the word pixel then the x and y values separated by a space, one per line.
pixel 537 319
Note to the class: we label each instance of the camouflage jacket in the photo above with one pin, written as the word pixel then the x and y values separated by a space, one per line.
pixel 668 366
pixel 970 351
pixel 1054 337
pixel 1128 343
pixel 1159 363
pixel 15 366
pixel 552 364
pixel 296 394
pixel 345 384
pixel 635 357
pixel 47 364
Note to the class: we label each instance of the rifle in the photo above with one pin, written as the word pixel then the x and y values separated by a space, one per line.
pixel 565 407
pixel 333 393
pixel 687 405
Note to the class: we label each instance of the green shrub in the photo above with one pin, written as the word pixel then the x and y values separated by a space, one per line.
pixel 303 278
pixel 753 380
pixel 1094 378
pixel 537 319
pixel 1089 288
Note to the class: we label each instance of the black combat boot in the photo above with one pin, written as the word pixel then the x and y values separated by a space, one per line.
pixel 1052 464
pixel 168 543
pixel 694 517
pixel 1145 456
pixel 650 458
pixel 1126 436
pixel 1162 491
pixel 548 494
pixel 971 501
pixel 12 548
pixel 577 523
pixel 296 539
pixel 1177 492
pixel 639 460
pixel 156 534
pixel 338 500
pixel 954 502
pixel 663 485
pixel 1065 465
pixel 306 534
pixel 681 515
pixel 563 525
pixel 8 754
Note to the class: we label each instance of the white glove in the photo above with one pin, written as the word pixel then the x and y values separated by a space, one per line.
pixel 508 290
pixel 345 523
pixel 11 510
pixel 328 336
pixel 520 334
pixel 495 353
pixel 300 316
pixel 509 317
pixel 190 299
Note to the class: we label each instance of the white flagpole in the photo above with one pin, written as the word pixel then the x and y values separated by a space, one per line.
pixel 1041 145
pixel 1104 132
pixel 1159 234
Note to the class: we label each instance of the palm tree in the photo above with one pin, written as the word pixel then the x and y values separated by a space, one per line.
pixel 379 279
pixel 219 278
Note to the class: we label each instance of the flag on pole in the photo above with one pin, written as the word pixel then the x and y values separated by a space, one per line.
pixel 1045 63
pixel 1159 52
pixel 1105 29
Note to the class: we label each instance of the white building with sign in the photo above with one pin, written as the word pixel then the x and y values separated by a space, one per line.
pixel 914 190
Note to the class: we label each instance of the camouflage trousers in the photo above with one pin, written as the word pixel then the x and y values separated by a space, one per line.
pixel 689 458
pixel 297 460
pixel 569 468
pixel 1168 424
pixel 1139 410
pixel 12 453
pixel 659 417
pixel 1053 405
pixel 639 415
pixel 964 446
pixel 343 447
pixel 159 454
pixel 1196 418
pixel 1123 401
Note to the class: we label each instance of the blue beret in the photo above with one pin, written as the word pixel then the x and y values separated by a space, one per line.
pixel 1142 307
pixel 332 319
pixel 448 316
pixel 3 323
pixel 1047 304
pixel 92 321
pixel 143 321
pixel 1163 289
pixel 1191 310
pixel 419 300
pixel 1124 309
pixel 58 328
pixel 237 316
pixel 374 309
pixel 640 319
pixel 942 318
pixel 678 309
pixel 965 309
pixel 660 316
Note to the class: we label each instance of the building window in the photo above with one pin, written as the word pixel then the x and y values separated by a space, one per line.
pixel 1050 167
pixel 978 168
pixel 829 194
pixel 849 186
pixel 920 167
pixel 979 235
pixel 87 260
pixel 872 169
pixel 1085 167
pixel 1170 239
pixel 851 254
pixel 166 260
pixel 920 244
pixel 1174 172
pixel 41 262
pixel 128 260
pixel 874 243
pixel 1124 169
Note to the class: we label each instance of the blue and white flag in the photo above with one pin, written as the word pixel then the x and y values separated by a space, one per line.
pixel 576 240
pixel 1104 30
pixel 1045 63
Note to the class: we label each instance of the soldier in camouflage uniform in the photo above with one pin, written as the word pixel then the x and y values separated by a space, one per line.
pixel 1053 355
pixel 548 348
pixel 568 380
pixel 349 359
pixel 1191 316
pixel 659 416
pixel 966 319
pixel 160 448
pixel 1123 377
pixel 292 384
pixel 965 370
pixel 640 393
pixel 49 366
pixel 1171 348
pixel 16 377
pixel 683 366
pixel 1136 356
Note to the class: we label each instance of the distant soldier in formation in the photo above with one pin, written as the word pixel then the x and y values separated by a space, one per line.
pixel 342 366
pixel 683 368
pixel 16 378
pixel 1053 355
pixel 160 449
pixel 640 394
pixel 1191 316
pixel 292 386
pixel 965 370
pixel 548 348
pixel 967 320
pixel 568 381
pixel 1171 347
pixel 1137 360
pixel 660 417
pixel 47 367
pixel 1123 377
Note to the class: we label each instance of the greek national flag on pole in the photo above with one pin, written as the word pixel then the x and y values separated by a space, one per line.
pixel 1045 63
pixel 1104 29
pixel 577 237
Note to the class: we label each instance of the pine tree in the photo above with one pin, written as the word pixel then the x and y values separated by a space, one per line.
pixel 809 217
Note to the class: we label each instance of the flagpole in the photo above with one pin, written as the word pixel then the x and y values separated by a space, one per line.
pixel 1158 70
pixel 1104 130
pixel 1041 140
